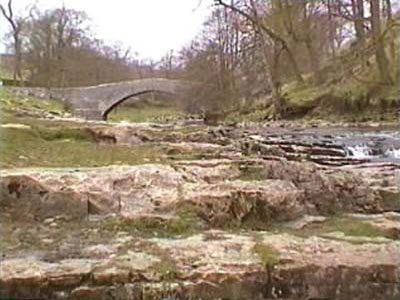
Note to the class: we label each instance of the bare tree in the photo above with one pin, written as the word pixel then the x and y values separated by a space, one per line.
pixel 167 63
pixel 16 24
pixel 266 30
pixel 212 61
pixel 57 41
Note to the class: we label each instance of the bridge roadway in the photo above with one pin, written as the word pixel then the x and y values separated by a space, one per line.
pixel 95 102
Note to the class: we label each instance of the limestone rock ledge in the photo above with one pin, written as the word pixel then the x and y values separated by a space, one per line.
pixel 216 264
pixel 273 189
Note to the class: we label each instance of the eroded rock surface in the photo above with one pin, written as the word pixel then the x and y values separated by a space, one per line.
pixel 272 190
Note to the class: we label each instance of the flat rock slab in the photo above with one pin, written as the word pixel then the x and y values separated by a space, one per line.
pixel 295 268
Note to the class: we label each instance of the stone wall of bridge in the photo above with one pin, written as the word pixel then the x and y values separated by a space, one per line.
pixel 95 102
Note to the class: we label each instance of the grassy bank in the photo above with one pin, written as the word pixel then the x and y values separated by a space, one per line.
pixel 65 147
pixel 26 140
pixel 12 107
pixel 348 100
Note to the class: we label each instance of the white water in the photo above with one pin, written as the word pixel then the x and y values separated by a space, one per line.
pixel 359 151
pixel 393 153
pixel 363 151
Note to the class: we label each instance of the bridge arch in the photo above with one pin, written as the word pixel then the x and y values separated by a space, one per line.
pixel 105 113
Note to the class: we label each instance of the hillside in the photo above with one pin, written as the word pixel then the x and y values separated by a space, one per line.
pixel 350 91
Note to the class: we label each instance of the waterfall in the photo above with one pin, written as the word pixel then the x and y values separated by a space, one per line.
pixel 359 151
pixel 393 153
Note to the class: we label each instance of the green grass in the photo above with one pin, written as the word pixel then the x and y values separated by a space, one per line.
pixel 268 254
pixel 352 227
pixel 27 110
pixel 349 226
pixel 64 133
pixel 5 73
pixel 49 143
pixel 183 225
pixel 55 144
pixel 252 174
pixel 257 115
pixel 166 268
pixel 40 147
pixel 303 97
pixel 146 114
pixel 12 104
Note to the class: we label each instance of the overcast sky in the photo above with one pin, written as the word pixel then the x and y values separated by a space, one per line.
pixel 150 27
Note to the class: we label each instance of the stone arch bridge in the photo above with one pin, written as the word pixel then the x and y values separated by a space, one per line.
pixel 95 102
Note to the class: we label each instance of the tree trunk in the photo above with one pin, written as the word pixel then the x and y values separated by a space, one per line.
pixel 276 84
pixel 314 60
pixel 18 59
pixel 358 16
pixel 380 55
pixel 358 12
pixel 308 41
pixel 392 32
pixel 332 33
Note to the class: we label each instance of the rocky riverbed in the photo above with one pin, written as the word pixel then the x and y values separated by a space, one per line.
pixel 269 212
